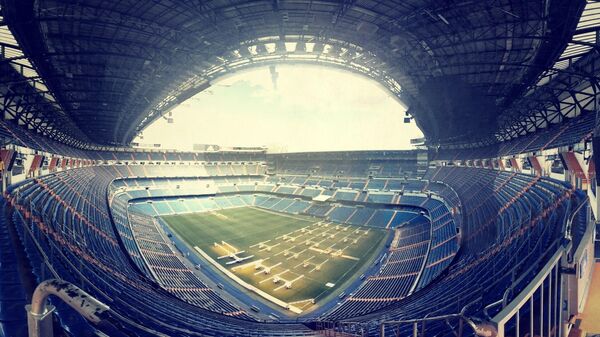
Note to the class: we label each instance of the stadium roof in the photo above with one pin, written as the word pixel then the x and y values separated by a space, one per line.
pixel 471 71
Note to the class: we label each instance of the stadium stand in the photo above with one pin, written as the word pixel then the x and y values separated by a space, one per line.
pixel 349 164
pixel 572 132
pixel 83 234
pixel 423 250
pixel 489 239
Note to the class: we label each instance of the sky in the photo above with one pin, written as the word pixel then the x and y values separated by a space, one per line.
pixel 309 108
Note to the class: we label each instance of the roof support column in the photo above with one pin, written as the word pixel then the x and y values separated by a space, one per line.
pixel 515 165
pixel 536 166
pixel 577 169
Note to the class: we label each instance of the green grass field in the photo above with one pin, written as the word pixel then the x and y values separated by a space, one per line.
pixel 293 257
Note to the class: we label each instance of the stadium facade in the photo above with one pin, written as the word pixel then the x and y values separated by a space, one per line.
pixel 489 231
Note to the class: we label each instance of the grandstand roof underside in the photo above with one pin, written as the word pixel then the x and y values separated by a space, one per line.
pixel 472 71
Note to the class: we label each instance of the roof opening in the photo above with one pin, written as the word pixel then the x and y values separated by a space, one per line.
pixel 288 108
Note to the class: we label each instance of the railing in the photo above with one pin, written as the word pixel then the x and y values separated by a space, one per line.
pixel 584 205
pixel 39 313
pixel 456 324
pixel 536 311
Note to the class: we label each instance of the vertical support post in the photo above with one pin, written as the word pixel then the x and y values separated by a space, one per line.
pixel 40 325
pixel 558 300
pixel 4 177
pixel 415 329
pixel 531 315
pixel 541 318
pixel 549 304
pixel 518 327
pixel 39 316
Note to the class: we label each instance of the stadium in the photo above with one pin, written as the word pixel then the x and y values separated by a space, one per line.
pixel 485 227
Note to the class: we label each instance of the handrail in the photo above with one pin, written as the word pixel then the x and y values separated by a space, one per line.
pixel 424 319
pixel 569 224
pixel 434 318
pixel 524 295
pixel 39 318
pixel 483 329
pixel 494 304
pixel 76 298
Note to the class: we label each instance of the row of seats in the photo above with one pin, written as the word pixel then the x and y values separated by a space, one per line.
pixel 364 216
pixel 350 168
pixel 378 184
pixel 173 201
pixel 398 275
pixel 357 216
pixel 564 134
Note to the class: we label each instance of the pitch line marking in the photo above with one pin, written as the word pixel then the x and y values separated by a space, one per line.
pixel 288 250
pixel 296 255
pixel 268 248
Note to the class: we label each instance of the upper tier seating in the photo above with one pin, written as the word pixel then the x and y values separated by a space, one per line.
pixel 351 164
pixel 572 132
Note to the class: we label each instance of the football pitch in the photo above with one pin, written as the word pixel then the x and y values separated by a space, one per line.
pixel 296 259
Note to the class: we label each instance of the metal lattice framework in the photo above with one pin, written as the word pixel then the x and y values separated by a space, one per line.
pixel 25 96
pixel 107 69
pixel 565 90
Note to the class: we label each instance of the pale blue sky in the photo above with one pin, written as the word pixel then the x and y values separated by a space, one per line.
pixel 312 109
